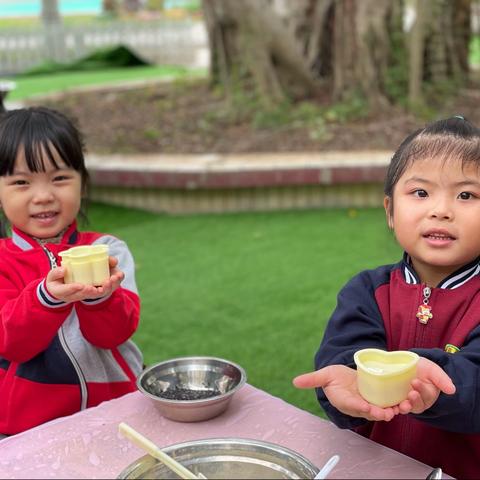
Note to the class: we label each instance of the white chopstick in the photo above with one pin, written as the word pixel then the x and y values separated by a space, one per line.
pixel 150 447
pixel 327 468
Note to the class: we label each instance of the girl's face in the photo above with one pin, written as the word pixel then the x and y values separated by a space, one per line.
pixel 41 204
pixel 436 216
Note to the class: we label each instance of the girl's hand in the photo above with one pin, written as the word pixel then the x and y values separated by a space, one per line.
pixel 112 283
pixel 426 387
pixel 75 292
pixel 340 386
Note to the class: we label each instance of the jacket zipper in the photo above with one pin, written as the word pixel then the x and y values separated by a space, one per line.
pixel 51 257
pixel 427 317
pixel 66 348
pixel 76 366
pixel 424 315
pixel 424 312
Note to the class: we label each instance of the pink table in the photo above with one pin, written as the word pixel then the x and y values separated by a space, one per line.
pixel 88 445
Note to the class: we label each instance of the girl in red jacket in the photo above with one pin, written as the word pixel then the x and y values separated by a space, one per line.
pixel 63 347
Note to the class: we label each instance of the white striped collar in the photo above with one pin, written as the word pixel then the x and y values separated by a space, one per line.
pixel 20 241
pixel 26 242
pixel 454 280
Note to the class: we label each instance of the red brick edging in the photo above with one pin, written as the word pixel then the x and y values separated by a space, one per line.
pixel 245 178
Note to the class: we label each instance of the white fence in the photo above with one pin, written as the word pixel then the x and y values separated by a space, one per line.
pixel 168 43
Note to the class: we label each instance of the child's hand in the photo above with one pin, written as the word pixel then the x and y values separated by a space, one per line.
pixel 112 283
pixel 340 386
pixel 426 387
pixel 74 292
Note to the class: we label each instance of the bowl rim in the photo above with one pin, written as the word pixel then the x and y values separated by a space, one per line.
pixel 220 441
pixel 210 400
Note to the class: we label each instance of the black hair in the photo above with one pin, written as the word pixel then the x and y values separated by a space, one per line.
pixel 40 132
pixel 453 137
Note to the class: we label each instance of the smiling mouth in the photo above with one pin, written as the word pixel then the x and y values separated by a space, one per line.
pixel 438 236
pixel 45 215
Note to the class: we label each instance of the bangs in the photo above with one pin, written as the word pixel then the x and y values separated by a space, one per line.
pixel 443 148
pixel 41 144
pixel 37 155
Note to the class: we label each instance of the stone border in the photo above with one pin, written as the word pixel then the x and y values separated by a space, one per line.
pixel 191 172
pixel 190 184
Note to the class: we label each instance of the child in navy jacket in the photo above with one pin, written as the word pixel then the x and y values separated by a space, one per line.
pixel 428 303
pixel 63 347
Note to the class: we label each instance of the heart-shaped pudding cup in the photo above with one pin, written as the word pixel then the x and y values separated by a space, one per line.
pixel 384 378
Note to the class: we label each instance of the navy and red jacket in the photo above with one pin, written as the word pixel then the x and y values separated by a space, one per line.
pixel 377 309
pixel 57 358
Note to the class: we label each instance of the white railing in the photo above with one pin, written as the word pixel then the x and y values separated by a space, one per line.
pixel 169 43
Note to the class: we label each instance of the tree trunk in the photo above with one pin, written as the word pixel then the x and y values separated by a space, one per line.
pixel 53 31
pixel 311 23
pixel 439 45
pixel 110 7
pixel 362 48
pixel 417 51
pixel 320 38
pixel 462 18
pixel 251 48
pixel 50 13
pixel 132 6
pixel 289 48
pixel 344 78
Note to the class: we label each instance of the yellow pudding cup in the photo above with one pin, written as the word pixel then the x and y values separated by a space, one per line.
pixel 384 378
pixel 87 264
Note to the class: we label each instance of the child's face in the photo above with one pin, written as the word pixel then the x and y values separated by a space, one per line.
pixel 436 216
pixel 41 204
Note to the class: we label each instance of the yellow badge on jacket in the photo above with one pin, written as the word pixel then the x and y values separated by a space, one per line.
pixel 450 348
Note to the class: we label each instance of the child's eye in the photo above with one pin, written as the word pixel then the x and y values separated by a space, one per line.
pixel 420 193
pixel 60 178
pixel 466 195
pixel 19 182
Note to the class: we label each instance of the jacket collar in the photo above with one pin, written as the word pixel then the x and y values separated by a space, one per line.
pixel 26 242
pixel 454 280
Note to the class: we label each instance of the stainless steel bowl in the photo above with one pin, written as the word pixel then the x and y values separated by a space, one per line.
pixel 191 378
pixel 226 458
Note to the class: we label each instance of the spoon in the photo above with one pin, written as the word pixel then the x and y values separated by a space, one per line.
pixel 435 474
pixel 144 443
pixel 327 468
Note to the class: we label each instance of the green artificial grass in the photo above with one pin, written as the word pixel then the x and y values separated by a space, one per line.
pixel 255 288
pixel 29 86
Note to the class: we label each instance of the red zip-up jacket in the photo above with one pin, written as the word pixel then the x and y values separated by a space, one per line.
pixel 377 309
pixel 57 358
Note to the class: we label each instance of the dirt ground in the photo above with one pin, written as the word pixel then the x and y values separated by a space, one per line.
pixel 191 118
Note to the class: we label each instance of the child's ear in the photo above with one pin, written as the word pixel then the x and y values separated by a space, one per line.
pixel 388 205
